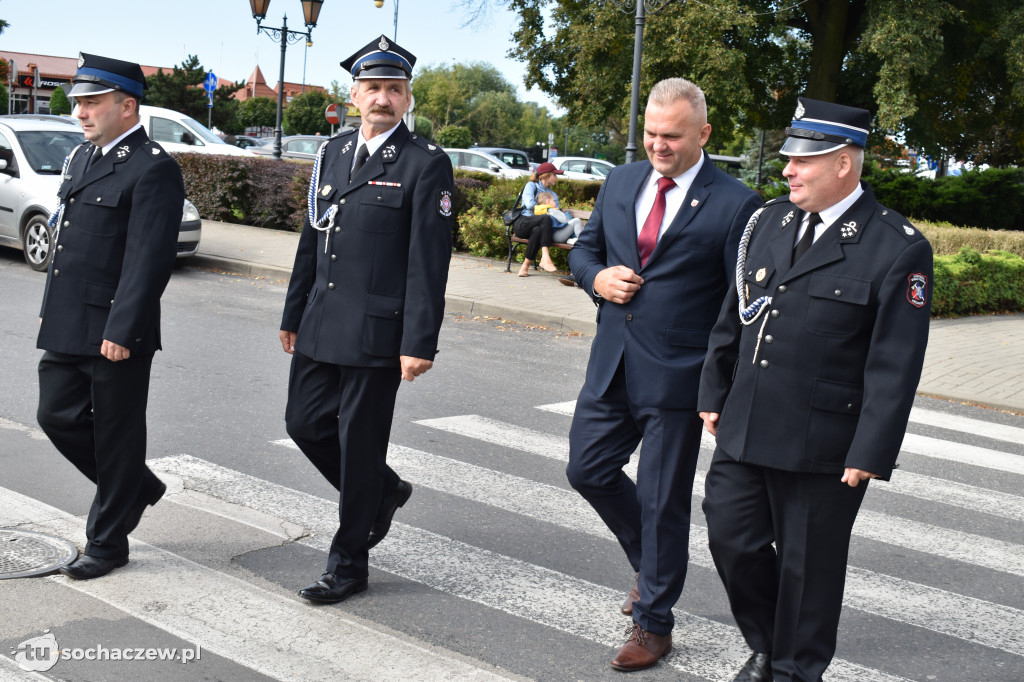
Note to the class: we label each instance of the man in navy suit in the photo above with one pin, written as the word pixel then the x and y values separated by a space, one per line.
pixel 121 199
pixel 657 256
pixel 365 304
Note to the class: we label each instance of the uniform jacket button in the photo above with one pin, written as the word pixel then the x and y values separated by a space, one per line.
pixel 342 202
pixel 334 257
pixel 764 364
pixel 769 338
pixel 71 201
pixel 56 273
pixel 337 229
pixel 839 292
pixel 849 406
pixel 782 288
pixel 774 313
pixel 330 285
pixel 629 317
pixel 67 223
pixel 60 248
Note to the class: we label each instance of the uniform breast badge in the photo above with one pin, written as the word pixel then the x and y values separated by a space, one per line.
pixel 325 190
pixel 760 275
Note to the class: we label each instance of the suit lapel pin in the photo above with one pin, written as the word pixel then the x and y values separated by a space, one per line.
pixel 694 203
pixel 848 230
pixel 789 217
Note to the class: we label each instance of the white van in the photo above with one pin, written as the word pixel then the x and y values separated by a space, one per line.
pixel 177 132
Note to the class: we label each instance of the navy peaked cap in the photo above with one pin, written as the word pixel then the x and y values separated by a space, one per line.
pixel 821 127
pixel 380 58
pixel 97 75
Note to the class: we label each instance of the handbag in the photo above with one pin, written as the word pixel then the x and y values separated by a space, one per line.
pixel 509 216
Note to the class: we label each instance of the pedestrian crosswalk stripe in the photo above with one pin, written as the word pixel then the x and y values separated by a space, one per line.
pixel 240 620
pixel 953 493
pixel 709 649
pixel 963 453
pixel 1004 432
pixel 946 612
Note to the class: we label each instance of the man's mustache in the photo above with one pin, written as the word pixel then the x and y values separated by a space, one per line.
pixel 382 110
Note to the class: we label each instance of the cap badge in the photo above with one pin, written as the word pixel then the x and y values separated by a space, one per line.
pixel 848 230
pixel 787 219
pixel 760 274
pixel 389 153
pixel 383 44
pixel 799 113
pixel 81 60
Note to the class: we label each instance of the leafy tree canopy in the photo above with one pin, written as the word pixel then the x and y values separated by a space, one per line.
pixel 59 102
pixel 306 114
pixel 257 112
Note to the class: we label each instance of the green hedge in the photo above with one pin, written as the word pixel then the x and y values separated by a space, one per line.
pixel 970 283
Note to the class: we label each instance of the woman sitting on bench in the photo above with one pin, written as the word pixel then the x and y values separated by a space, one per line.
pixel 537 229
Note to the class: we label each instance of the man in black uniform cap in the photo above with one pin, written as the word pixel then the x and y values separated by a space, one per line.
pixel 365 304
pixel 808 384
pixel 117 228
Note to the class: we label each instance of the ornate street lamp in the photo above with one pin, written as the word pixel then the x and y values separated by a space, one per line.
pixel 380 3
pixel 310 13
pixel 642 8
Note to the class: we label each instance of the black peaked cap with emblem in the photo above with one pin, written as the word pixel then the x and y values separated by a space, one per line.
pixel 821 127
pixel 380 58
pixel 98 75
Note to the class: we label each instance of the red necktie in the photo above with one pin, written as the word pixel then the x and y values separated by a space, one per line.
pixel 648 238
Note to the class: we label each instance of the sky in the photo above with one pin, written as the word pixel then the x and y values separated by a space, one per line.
pixel 222 33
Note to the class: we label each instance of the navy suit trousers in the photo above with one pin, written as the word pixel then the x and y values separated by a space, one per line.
pixel 651 517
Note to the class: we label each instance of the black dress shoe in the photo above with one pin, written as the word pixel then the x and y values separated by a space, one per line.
pixel 87 567
pixel 386 512
pixel 331 589
pixel 131 522
pixel 758 668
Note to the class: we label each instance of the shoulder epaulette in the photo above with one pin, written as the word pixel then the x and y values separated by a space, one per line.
pixel 424 144
pixel 899 223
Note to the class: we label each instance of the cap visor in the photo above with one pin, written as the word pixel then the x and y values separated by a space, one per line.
pixel 381 72
pixel 83 89
pixel 799 146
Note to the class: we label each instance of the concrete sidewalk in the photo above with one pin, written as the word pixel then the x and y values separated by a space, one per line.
pixel 973 359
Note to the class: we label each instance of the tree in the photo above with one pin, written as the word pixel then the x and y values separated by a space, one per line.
pixel 181 90
pixel 306 114
pixel 446 94
pixel 257 112
pixel 59 102
pixel 454 136
pixel 915 65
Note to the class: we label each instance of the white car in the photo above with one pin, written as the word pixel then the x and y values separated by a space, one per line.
pixel 32 152
pixel 177 132
pixel 482 162
pixel 582 168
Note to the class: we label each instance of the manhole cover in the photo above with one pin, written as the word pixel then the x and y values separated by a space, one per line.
pixel 24 553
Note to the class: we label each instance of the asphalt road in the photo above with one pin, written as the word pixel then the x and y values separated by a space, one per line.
pixel 495 568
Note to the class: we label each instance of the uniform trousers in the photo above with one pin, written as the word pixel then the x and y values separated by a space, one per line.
pixel 94 412
pixel 536 229
pixel 340 417
pixel 651 517
pixel 786 599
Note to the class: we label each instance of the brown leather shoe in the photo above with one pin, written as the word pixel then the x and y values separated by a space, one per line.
pixel 641 650
pixel 634 594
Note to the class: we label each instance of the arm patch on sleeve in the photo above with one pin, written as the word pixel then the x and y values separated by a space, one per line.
pixel 444 202
pixel 917 289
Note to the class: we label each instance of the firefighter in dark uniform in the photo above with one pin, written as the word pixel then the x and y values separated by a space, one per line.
pixel 116 232
pixel 808 384
pixel 365 304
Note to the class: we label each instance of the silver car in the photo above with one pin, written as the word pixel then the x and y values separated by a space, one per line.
pixel 32 152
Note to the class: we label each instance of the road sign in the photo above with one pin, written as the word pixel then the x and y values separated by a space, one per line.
pixel 210 83
pixel 332 114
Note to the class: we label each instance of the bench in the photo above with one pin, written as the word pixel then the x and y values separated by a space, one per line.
pixel 514 241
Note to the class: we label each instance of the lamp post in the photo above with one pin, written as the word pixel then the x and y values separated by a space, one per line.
pixel 310 13
pixel 642 7
pixel 380 3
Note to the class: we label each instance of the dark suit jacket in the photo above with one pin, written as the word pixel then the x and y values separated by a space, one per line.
pixel 115 249
pixel 662 333
pixel 841 351
pixel 378 291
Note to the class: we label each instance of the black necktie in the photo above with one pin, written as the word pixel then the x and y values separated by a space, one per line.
pixel 96 155
pixel 808 237
pixel 361 155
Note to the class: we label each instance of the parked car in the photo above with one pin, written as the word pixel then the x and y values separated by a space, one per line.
pixel 482 162
pixel 582 168
pixel 514 158
pixel 247 141
pixel 177 132
pixel 293 147
pixel 32 152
